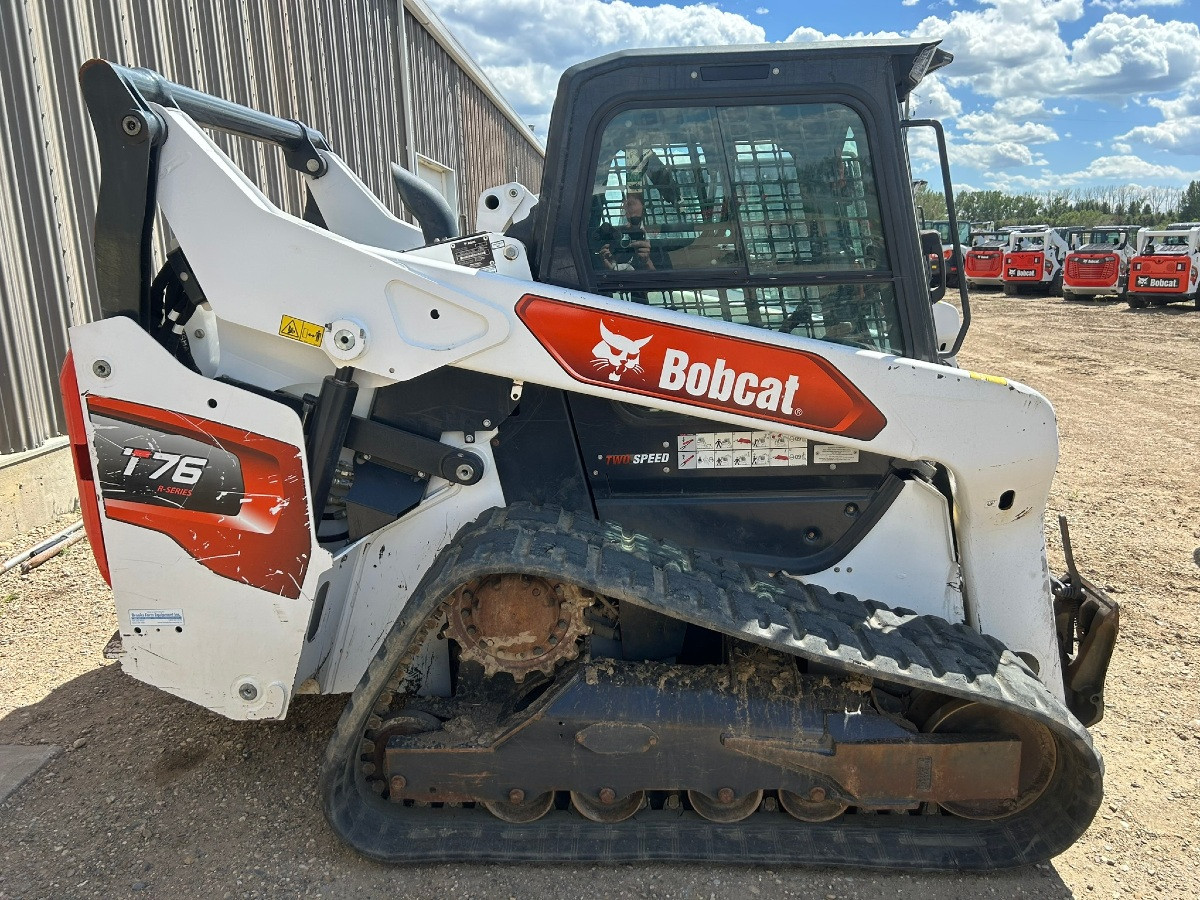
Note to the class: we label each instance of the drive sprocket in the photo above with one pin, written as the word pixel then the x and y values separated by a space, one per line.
pixel 517 623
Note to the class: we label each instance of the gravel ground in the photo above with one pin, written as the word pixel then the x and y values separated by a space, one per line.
pixel 154 797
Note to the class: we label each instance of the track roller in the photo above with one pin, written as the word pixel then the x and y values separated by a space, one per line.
pixel 606 807
pixel 725 807
pixel 816 807
pixel 518 810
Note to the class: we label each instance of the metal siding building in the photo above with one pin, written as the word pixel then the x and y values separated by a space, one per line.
pixel 382 79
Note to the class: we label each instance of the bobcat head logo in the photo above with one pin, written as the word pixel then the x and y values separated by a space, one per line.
pixel 619 353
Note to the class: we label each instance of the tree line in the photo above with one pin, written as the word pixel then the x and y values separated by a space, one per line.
pixel 1110 205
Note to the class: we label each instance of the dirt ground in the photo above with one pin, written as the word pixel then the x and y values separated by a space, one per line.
pixel 154 797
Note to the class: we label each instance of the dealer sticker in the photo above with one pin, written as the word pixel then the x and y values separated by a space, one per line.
pixel 156 618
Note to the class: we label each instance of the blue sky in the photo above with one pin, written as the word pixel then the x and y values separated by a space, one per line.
pixel 1043 94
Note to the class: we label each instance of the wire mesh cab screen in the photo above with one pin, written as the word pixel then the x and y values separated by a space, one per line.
pixel 764 215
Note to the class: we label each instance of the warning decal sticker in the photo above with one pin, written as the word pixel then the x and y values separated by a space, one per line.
pixel 741 450
pixel 299 330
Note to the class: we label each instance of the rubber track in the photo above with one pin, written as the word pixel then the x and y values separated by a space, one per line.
pixel 837 630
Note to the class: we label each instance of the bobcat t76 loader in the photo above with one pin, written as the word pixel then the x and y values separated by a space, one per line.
pixel 652 521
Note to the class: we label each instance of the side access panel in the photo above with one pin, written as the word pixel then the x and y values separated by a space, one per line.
pixel 200 490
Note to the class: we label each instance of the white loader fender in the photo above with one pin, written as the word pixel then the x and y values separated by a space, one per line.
pixel 388 565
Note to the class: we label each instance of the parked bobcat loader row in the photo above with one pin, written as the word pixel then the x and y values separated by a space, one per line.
pixel 647 523
pixel 1098 262
pixel 1165 267
pixel 1034 260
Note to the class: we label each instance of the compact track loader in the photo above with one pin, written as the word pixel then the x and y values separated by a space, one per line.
pixel 1098 262
pixel 1165 267
pixel 983 263
pixel 1034 259
pixel 653 521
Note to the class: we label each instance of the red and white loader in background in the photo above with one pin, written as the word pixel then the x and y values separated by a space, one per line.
pixel 1098 262
pixel 1166 266
pixel 983 263
pixel 1034 259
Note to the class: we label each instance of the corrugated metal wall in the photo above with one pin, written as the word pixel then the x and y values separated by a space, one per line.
pixel 336 64
pixel 454 126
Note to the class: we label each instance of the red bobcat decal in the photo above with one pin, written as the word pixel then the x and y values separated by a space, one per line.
pixel 699 368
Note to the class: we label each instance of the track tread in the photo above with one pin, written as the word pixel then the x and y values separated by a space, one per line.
pixel 774 610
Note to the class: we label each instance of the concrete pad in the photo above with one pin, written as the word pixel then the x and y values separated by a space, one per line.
pixel 18 764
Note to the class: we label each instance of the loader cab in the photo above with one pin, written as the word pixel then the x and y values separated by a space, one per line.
pixel 1115 238
pixel 773 188
pixel 764 187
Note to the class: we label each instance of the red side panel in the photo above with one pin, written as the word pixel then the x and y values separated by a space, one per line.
pixel 89 506
pixel 689 365
pixel 234 500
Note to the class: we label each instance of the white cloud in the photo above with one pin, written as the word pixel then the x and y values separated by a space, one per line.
pixel 1179 130
pixel 1025 107
pixel 1013 48
pixel 909 2
pixel 524 45
pixel 1133 4
pixel 1122 170
pixel 993 156
pixel 761 11
pixel 1121 56
pixel 985 127
pixel 1001 43
pixel 1125 169
pixel 804 35
pixel 933 100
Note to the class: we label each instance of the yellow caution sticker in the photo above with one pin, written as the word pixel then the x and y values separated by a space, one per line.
pixel 992 378
pixel 304 332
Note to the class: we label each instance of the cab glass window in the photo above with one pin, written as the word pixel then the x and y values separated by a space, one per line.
pixel 765 215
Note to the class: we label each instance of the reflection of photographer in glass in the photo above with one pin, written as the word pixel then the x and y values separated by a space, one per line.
pixel 629 247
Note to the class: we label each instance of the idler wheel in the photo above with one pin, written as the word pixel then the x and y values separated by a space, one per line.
pixel 1039 754
pixel 725 807
pixel 519 811
pixel 517 623
pixel 606 808
pixel 816 807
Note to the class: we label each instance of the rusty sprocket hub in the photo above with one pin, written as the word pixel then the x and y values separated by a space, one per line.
pixel 517 623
